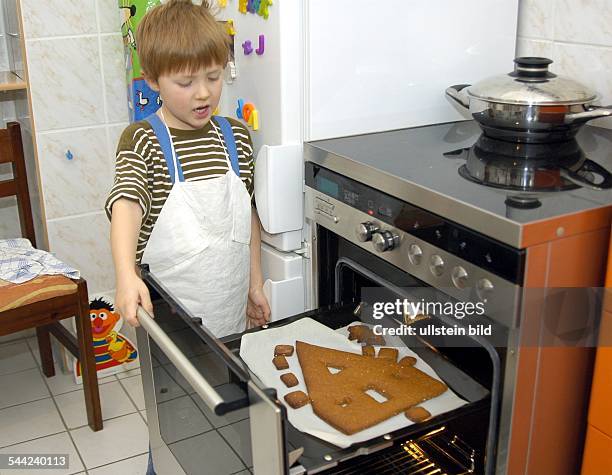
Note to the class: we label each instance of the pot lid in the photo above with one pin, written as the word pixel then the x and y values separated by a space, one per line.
pixel 531 83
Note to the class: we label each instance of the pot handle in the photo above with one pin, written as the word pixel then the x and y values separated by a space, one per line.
pixel 458 93
pixel 589 166
pixel 593 112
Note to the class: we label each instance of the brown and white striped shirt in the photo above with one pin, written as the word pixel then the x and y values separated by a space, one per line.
pixel 141 173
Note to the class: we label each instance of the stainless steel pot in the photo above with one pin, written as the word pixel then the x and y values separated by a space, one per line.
pixel 530 104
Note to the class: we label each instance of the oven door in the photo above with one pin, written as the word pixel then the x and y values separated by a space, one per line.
pixel 202 404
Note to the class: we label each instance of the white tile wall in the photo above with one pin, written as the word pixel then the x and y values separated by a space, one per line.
pixel 66 82
pixel 576 35
pixel 115 88
pixel 79 185
pixel 58 18
pixel 583 21
pixel 84 243
pixel 108 16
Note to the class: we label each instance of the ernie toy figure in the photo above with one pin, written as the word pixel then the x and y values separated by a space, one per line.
pixel 111 348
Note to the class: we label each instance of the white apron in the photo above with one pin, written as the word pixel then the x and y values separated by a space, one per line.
pixel 199 246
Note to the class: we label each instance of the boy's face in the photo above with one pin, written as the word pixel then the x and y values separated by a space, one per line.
pixel 189 97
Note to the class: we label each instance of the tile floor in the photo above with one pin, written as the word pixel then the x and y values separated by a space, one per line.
pixel 47 415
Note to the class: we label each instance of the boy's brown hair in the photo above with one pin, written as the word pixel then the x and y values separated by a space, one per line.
pixel 179 36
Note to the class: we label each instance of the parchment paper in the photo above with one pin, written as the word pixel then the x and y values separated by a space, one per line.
pixel 257 351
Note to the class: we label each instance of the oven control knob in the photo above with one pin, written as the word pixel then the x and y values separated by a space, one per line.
pixel 459 277
pixel 415 254
pixel 436 265
pixel 365 230
pixel 385 241
pixel 484 289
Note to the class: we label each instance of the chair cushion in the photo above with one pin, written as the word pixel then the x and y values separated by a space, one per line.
pixel 40 288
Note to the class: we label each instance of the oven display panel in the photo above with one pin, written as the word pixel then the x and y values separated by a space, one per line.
pixel 476 248
pixel 327 186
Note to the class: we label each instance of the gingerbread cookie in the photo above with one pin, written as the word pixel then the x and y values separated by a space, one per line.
pixel 417 414
pixel 283 350
pixel 289 379
pixel 388 353
pixel 368 350
pixel 364 334
pixel 407 361
pixel 297 399
pixel 341 399
pixel 358 332
pixel 280 362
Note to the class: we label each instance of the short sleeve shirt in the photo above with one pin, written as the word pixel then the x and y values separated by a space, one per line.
pixel 141 173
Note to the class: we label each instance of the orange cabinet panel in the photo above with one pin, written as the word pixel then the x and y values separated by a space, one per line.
pixel 600 411
pixel 597 459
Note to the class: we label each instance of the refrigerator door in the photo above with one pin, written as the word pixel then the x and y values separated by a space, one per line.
pixel 273 80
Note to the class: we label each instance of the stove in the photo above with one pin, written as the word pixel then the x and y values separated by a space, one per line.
pixel 424 166
pixel 518 227
pixel 392 216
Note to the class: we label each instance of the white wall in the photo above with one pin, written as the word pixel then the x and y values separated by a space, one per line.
pixel 576 35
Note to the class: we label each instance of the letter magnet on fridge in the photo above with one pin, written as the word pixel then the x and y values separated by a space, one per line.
pixel 261 48
pixel 247 47
pixel 263 10
pixel 229 27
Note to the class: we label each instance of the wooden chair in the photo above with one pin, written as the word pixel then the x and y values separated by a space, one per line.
pixel 42 302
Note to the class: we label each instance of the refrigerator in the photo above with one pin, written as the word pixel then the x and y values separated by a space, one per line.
pixel 315 69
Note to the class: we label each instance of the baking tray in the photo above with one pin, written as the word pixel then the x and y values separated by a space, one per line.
pixel 319 455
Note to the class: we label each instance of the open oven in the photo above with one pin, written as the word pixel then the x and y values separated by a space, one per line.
pixel 208 413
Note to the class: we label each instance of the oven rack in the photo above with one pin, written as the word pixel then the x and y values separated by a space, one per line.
pixel 435 453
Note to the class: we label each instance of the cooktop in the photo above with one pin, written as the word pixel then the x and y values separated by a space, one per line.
pixel 422 166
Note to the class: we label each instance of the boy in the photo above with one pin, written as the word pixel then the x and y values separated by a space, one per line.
pixel 181 201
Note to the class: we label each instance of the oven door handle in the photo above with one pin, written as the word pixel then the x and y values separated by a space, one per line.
pixel 235 397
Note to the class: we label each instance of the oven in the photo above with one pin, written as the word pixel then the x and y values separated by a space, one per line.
pixel 390 220
pixel 207 413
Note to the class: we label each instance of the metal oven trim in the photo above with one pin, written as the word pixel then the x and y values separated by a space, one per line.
pixel 344 219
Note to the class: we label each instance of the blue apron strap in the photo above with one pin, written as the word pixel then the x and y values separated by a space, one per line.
pixel 165 142
pixel 230 143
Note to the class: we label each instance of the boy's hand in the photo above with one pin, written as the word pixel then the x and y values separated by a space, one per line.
pixel 258 309
pixel 131 292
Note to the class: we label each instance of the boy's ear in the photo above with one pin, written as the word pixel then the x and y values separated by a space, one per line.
pixel 152 83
